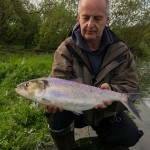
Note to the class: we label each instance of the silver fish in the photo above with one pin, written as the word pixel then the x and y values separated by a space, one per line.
pixel 70 95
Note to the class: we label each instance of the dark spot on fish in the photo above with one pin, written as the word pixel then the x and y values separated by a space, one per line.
pixel 45 83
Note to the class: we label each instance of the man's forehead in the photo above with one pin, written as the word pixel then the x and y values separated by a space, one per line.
pixel 92 10
pixel 96 2
pixel 93 5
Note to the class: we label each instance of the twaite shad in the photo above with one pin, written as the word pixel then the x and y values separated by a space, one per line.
pixel 70 95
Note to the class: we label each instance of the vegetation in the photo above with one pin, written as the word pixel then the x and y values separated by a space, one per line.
pixel 45 26
pixel 18 23
pixel 55 25
pixel 131 21
pixel 23 125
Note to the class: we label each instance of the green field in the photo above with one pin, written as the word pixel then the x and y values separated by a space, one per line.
pixel 22 125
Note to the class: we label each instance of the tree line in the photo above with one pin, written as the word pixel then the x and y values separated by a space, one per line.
pixel 45 26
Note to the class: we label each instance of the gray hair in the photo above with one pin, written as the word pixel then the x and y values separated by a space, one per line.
pixel 107 6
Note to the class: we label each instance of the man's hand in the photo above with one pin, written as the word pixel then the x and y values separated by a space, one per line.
pixel 106 102
pixel 53 109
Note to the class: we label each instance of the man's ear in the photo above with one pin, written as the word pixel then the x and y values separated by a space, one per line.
pixel 78 17
pixel 108 20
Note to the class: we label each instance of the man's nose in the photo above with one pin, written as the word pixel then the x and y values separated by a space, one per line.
pixel 90 23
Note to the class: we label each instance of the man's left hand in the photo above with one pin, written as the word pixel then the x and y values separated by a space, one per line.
pixel 105 102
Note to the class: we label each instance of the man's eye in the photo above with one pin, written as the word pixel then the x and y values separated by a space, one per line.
pixel 85 18
pixel 98 18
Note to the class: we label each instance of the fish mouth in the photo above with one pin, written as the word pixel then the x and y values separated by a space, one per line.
pixel 18 91
pixel 22 94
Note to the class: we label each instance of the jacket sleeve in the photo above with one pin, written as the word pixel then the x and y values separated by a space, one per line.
pixel 62 64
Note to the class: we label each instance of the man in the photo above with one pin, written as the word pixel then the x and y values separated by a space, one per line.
pixel 94 55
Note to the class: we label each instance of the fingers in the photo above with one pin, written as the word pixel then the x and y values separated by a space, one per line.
pixel 104 105
pixel 105 102
pixel 53 109
pixel 105 86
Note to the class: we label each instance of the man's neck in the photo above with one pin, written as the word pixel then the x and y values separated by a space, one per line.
pixel 93 45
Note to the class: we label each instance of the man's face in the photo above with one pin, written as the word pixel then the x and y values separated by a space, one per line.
pixel 92 18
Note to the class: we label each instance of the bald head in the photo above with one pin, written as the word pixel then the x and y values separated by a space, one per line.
pixel 105 3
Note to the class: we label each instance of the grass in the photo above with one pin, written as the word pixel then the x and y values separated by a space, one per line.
pixel 22 124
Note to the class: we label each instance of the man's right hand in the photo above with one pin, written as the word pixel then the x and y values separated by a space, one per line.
pixel 53 109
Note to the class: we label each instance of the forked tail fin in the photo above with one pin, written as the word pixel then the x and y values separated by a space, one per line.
pixel 132 109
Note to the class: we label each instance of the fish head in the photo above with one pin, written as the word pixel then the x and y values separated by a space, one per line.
pixel 33 89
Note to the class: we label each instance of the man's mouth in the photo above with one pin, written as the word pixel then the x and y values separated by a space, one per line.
pixel 90 31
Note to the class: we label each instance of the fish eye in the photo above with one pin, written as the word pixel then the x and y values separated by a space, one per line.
pixel 26 84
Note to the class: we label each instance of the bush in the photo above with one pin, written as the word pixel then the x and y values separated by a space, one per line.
pixel 55 26
pixel 137 38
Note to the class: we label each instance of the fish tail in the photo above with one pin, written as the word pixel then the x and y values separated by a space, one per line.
pixel 132 109
pixel 134 96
